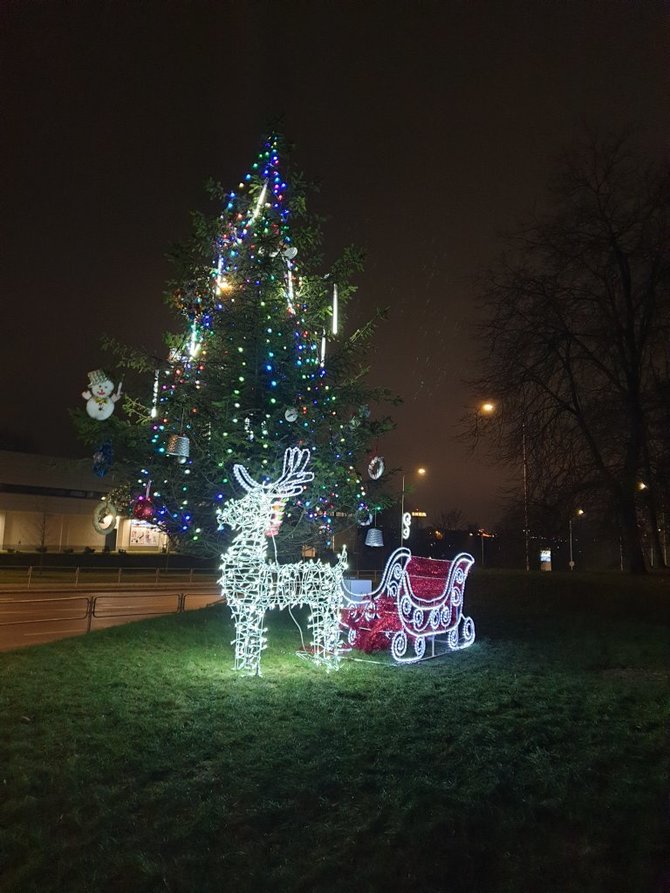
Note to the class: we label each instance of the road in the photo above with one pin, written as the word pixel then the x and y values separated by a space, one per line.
pixel 38 616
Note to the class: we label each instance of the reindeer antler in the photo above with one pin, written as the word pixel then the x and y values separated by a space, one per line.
pixel 293 477
pixel 244 479
pixel 292 480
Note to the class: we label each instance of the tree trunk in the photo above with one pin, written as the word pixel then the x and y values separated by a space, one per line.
pixel 633 552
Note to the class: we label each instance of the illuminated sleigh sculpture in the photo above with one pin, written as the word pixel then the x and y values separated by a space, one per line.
pixel 419 600
pixel 252 585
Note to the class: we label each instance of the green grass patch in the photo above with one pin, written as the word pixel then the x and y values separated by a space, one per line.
pixel 136 759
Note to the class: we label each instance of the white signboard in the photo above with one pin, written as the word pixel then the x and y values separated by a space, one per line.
pixel 142 534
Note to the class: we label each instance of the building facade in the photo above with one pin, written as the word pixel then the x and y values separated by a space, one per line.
pixel 48 504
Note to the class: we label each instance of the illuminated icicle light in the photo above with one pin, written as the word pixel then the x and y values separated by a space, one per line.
pixel 289 290
pixel 154 402
pixel 194 344
pixel 322 352
pixel 335 310
pixel 252 585
pixel 260 202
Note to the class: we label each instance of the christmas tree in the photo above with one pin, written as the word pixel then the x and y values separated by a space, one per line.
pixel 260 364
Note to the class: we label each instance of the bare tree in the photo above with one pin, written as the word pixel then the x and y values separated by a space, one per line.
pixel 577 334
pixel 451 519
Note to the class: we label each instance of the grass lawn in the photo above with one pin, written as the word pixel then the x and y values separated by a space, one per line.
pixel 134 759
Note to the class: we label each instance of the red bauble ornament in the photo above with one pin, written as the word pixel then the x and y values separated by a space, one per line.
pixel 143 509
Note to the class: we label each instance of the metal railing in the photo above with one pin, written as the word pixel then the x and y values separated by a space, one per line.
pixel 90 607
pixel 30 575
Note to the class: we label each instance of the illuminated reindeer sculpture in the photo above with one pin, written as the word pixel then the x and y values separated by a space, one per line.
pixel 251 584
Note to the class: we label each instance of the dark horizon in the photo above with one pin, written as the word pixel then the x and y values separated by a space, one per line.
pixel 432 129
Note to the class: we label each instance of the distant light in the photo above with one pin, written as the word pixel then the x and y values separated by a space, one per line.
pixel 488 408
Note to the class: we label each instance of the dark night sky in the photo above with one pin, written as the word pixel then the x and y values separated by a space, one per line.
pixel 433 127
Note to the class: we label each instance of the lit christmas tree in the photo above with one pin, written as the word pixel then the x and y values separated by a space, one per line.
pixel 260 365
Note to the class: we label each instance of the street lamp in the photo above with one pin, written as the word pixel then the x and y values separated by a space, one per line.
pixel 579 514
pixel 404 527
pixel 524 457
pixel 488 408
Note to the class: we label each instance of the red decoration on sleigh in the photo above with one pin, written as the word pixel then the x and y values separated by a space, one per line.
pixel 419 600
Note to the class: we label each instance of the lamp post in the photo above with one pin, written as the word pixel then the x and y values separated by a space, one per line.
pixel 488 408
pixel 420 471
pixel 579 514
pixel 526 530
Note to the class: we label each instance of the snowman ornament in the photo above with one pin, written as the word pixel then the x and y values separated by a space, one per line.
pixel 99 397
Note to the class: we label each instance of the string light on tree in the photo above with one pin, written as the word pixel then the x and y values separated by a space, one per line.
pixel 250 369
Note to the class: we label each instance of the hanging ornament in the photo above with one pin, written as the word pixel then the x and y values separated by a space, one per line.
pixel 291 414
pixel 143 509
pixel 363 517
pixel 247 429
pixel 99 397
pixel 290 252
pixel 178 445
pixel 104 517
pixel 406 525
pixel 376 467
pixel 102 458
pixel 374 537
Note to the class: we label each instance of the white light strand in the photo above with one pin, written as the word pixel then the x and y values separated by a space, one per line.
pixel 251 585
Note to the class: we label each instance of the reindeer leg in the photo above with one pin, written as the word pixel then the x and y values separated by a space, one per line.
pixel 325 624
pixel 333 628
pixel 249 638
pixel 317 624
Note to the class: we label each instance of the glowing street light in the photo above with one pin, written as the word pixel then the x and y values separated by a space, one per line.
pixel 578 514
pixel 488 408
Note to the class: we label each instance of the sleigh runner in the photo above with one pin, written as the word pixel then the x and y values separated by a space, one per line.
pixel 419 601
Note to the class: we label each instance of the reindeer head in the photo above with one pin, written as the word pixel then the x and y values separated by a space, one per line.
pixel 255 508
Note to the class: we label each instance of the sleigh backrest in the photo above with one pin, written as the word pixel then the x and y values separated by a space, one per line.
pixel 428 576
